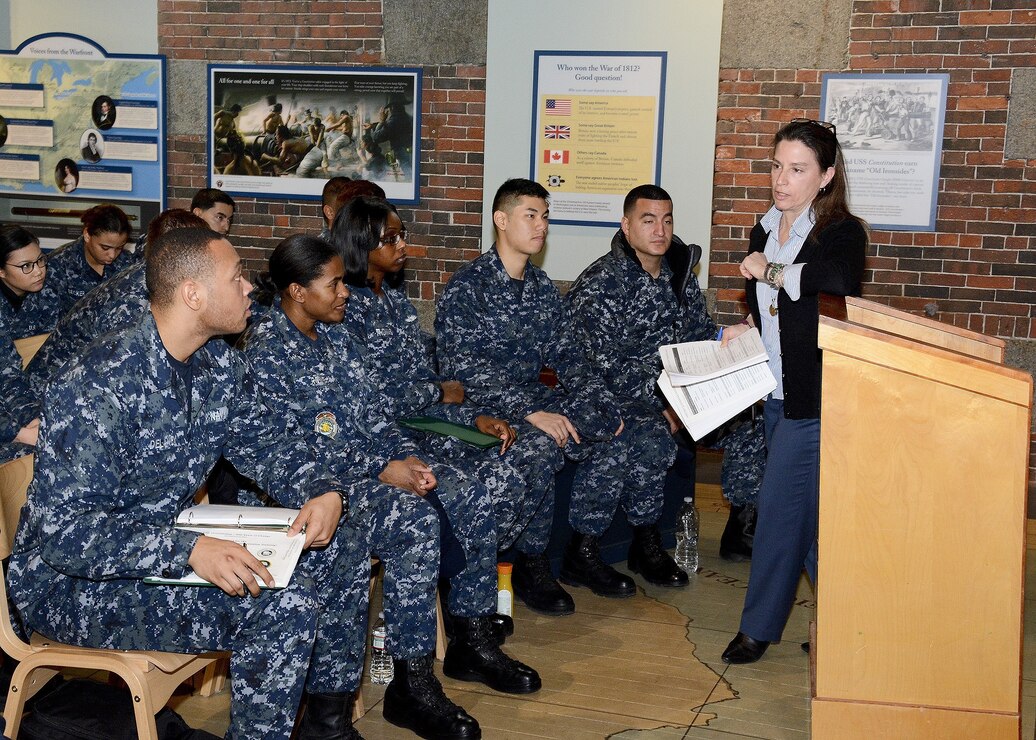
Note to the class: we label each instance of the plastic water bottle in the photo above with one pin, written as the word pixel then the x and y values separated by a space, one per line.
pixel 381 662
pixel 687 536
pixel 504 590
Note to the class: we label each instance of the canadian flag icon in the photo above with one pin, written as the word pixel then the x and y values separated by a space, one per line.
pixel 555 156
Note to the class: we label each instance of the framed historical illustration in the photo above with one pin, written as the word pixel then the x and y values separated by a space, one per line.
pixel 890 128
pixel 597 130
pixel 284 131
pixel 79 127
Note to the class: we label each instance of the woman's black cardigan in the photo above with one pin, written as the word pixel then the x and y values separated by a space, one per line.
pixel 834 264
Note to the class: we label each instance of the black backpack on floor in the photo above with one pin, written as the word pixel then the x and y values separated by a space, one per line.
pixel 81 709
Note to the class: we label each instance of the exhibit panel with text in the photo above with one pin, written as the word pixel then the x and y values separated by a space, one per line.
pixel 79 126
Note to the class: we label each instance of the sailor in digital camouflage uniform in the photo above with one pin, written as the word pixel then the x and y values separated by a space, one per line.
pixel 211 206
pixel 128 435
pixel 337 192
pixel 97 255
pixel 498 324
pixel 625 306
pixel 29 315
pixel 111 305
pixel 19 406
pixel 306 365
pixel 28 306
pixel 215 208
pixel 22 276
pixel 399 360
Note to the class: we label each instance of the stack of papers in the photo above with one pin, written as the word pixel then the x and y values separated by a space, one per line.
pixel 707 383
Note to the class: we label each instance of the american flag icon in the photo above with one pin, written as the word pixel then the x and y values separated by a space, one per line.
pixel 557 132
pixel 559 107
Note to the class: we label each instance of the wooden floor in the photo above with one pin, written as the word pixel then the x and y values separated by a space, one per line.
pixel 645 668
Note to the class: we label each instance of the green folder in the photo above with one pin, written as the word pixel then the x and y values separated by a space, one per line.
pixel 448 429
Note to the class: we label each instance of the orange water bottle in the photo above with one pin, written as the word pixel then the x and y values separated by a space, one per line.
pixel 504 590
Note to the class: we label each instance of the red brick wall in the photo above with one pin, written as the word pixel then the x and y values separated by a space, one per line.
pixel 980 263
pixel 447 222
pixel 449 217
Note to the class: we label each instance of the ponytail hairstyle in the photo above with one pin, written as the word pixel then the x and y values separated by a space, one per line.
pixel 298 259
pixel 831 204
pixel 105 218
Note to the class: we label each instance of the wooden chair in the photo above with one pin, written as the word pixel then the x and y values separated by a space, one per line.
pixel 28 346
pixel 151 676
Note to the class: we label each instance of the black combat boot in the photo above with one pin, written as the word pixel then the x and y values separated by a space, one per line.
pixel 582 566
pixel 415 700
pixel 735 544
pixel 329 717
pixel 501 624
pixel 650 559
pixel 536 586
pixel 474 656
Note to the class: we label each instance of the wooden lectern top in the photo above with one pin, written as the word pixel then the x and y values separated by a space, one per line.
pixel 922 329
pixel 940 352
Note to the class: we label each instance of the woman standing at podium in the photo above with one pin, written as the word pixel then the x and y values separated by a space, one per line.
pixel 807 243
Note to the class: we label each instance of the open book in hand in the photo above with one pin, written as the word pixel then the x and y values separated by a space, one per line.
pixel 707 384
pixel 263 531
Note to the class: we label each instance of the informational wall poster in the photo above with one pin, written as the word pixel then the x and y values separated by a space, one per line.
pixel 79 126
pixel 282 132
pixel 890 129
pixel 597 130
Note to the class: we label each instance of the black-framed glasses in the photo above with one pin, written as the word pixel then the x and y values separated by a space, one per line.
pixel 27 268
pixel 823 124
pixel 391 241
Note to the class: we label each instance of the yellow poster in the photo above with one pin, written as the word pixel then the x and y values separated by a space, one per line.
pixel 597 131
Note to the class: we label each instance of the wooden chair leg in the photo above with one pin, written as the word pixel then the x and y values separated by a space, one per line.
pixel 440 630
pixel 143 706
pixel 27 680
pixel 214 678
pixel 358 709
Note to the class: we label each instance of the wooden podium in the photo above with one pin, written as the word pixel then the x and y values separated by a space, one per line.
pixel 924 457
